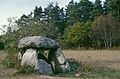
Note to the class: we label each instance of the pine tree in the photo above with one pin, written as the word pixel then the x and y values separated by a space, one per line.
pixel 47 12
pixel 23 21
pixel 38 13
pixel 98 9
pixel 79 12
pixel 56 16
pixel 62 21
pixel 115 6
pixel 71 13
pixel 86 7
pixel 106 7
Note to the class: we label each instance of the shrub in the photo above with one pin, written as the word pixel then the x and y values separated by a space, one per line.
pixel 74 65
pixel 77 36
pixel 87 64
pixel 10 60
pixel 1 45
pixel 25 69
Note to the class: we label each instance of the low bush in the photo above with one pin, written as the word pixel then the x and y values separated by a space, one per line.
pixel 25 69
pixel 10 60
pixel 87 64
pixel 74 65
pixel 84 65
pixel 2 45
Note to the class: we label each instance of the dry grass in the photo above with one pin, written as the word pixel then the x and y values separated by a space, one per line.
pixel 105 58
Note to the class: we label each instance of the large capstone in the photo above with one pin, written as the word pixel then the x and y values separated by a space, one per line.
pixel 37 42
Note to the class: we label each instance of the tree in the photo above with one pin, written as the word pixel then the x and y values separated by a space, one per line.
pixel 115 6
pixel 72 13
pixel 98 9
pixel 10 39
pixel 23 21
pixel 1 44
pixel 47 11
pixel 106 7
pixel 3 29
pixel 10 31
pixel 62 21
pixel 79 12
pixel 12 26
pixel 106 30
pixel 56 16
pixel 86 8
pixel 77 35
pixel 39 28
pixel 38 13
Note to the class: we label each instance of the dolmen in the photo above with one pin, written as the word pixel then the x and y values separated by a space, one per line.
pixel 43 54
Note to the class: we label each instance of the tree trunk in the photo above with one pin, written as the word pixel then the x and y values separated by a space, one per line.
pixel 107 43
pixel 110 41
pixel 110 44
pixel 118 12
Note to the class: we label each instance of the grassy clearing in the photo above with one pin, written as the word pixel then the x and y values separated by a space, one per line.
pixel 87 70
pixel 90 64
pixel 101 73
pixel 106 63
pixel 100 58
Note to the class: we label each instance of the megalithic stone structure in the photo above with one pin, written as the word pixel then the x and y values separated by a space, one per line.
pixel 31 47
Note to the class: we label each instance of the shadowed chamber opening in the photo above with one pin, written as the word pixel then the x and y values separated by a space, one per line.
pixel 43 54
pixel 48 56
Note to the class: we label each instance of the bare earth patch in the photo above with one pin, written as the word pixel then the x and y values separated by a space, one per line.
pixel 106 58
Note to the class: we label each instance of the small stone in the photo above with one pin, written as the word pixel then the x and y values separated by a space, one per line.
pixel 19 56
pixel 77 75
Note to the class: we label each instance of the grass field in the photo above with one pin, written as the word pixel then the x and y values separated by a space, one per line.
pixel 107 58
pixel 100 58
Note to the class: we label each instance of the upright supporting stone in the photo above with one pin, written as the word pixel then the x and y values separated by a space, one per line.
pixel 30 58
pixel 61 64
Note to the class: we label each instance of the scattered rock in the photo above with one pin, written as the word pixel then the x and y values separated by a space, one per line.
pixel 77 75
pixel 19 56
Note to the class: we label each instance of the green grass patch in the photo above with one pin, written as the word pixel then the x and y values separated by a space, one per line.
pixel 78 71
pixel 101 73
pixel 106 72
pixel 25 69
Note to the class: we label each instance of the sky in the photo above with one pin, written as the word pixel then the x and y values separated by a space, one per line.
pixel 15 8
